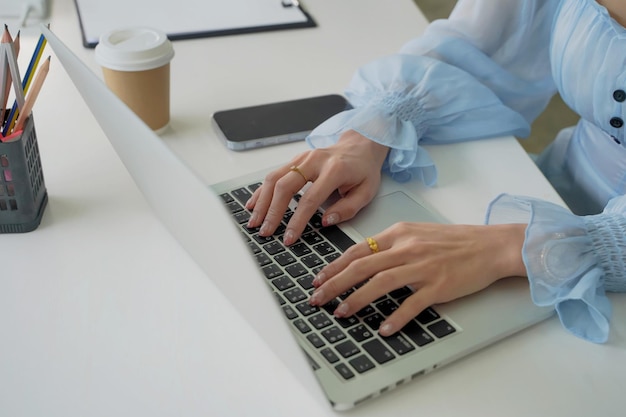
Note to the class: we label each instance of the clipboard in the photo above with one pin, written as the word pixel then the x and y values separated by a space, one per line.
pixel 189 19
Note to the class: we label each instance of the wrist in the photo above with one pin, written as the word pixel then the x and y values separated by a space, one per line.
pixel 508 240
pixel 376 152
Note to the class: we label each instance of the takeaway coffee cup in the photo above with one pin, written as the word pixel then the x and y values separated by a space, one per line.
pixel 136 67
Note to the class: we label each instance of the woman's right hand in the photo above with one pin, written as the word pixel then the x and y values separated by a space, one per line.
pixel 352 167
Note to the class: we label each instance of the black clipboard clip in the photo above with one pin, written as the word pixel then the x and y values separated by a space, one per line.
pixel 291 3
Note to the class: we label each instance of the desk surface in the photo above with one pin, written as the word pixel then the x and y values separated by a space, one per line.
pixel 103 313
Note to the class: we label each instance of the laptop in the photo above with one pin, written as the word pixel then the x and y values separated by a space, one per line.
pixel 344 361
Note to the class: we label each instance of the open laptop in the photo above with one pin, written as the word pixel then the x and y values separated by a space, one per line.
pixel 350 361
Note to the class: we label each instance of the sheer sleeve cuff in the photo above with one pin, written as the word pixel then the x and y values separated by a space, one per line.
pixel 405 160
pixel 563 258
pixel 401 101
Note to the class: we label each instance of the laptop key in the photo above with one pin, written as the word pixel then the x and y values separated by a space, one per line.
pixel 374 321
pixel 362 364
pixel 312 261
pixel 347 349
pixel 331 306
pixel 360 333
pixel 315 340
pixel 329 355
pixel 306 309
pixel 378 351
pixel 263 239
pixel 344 371
pixel 365 311
pixel 337 237
pixel 316 220
pixel 253 187
pixel 274 247
pixel 295 295
pixel 333 334
pixel 296 270
pixel 324 248
pixel 346 322
pixel 300 249
pixel 302 326
pixel 427 316
pixel 272 271
pixel 399 343
pixel 284 258
pixel 262 259
pixel 387 307
pixel 320 320
pixel 254 248
pixel 306 282
pixel 332 257
pixel 415 332
pixel 234 207
pixel 289 312
pixel 441 328
pixel 227 198
pixel 312 238
pixel 241 194
pixel 242 217
pixel 283 283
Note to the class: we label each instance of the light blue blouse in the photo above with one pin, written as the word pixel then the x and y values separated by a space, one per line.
pixel 490 70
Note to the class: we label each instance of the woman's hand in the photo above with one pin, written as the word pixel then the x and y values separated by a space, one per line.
pixel 440 262
pixel 352 166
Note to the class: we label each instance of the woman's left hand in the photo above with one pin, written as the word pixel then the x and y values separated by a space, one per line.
pixel 440 262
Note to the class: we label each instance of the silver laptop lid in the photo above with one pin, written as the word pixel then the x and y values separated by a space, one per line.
pixel 195 217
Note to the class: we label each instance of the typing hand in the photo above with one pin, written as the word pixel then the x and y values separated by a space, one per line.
pixel 440 262
pixel 352 166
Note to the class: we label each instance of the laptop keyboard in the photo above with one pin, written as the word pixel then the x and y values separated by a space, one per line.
pixel 350 345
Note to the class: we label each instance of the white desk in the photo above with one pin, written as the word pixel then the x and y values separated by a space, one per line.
pixel 102 313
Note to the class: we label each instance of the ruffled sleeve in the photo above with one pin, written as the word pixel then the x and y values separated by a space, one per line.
pixel 571 261
pixel 452 84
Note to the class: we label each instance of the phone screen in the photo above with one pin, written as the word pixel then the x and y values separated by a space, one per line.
pixel 270 124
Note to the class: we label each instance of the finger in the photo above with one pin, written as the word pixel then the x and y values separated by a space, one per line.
pixel 407 311
pixel 310 201
pixel 351 202
pixel 273 199
pixel 357 271
pixel 380 284
pixel 354 252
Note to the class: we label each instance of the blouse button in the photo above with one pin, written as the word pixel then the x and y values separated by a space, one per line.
pixel 616 122
pixel 619 95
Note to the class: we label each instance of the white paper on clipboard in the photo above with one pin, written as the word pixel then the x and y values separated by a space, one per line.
pixel 187 19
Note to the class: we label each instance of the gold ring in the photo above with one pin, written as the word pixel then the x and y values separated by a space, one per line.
pixel 372 244
pixel 295 168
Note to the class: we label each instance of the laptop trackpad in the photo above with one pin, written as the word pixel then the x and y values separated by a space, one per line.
pixel 388 209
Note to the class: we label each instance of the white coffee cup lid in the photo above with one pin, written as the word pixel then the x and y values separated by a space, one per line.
pixel 134 49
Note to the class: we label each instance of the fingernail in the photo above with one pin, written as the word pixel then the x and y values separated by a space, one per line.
pixel 386 329
pixel 331 219
pixel 317 281
pixel 247 205
pixel 341 310
pixel 289 237
pixel 316 298
pixel 264 230
pixel 253 219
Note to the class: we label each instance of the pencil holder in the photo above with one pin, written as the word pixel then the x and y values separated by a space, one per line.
pixel 23 195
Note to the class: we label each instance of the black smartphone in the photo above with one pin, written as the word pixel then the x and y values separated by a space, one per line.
pixel 274 123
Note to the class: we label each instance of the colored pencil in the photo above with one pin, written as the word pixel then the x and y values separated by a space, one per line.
pixel 28 76
pixel 32 95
